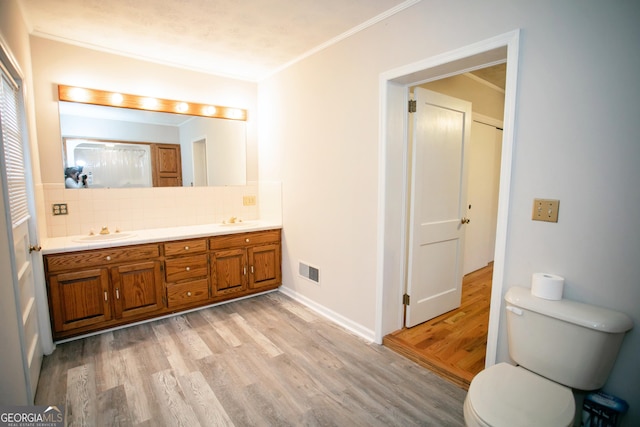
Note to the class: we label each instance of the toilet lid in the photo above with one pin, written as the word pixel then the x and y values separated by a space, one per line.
pixel 504 395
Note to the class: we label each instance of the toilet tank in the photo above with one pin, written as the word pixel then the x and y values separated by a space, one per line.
pixel 565 341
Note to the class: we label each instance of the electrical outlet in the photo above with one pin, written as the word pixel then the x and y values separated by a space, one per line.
pixel 59 209
pixel 249 200
pixel 545 210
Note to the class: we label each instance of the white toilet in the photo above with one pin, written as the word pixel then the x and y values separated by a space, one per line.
pixel 558 345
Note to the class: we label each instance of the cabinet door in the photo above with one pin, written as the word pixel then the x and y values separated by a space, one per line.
pixel 264 266
pixel 79 299
pixel 228 272
pixel 166 165
pixel 137 289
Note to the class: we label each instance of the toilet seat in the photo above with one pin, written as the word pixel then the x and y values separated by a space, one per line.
pixel 505 395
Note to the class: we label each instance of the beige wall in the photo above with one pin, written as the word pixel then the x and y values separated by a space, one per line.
pixel 575 140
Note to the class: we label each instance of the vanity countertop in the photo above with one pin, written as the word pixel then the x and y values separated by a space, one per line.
pixel 135 237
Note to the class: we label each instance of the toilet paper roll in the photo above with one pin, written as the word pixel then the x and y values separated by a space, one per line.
pixel 547 286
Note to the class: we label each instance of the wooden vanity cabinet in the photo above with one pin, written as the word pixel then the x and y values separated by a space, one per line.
pixel 93 290
pixel 245 262
pixel 264 266
pixel 79 299
pixel 103 288
pixel 228 272
pixel 186 273
pixel 137 289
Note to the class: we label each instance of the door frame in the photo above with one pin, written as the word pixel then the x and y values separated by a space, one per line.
pixel 392 253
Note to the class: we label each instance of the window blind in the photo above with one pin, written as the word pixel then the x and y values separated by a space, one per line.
pixel 13 150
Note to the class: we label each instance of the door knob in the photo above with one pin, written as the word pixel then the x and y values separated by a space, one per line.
pixel 465 220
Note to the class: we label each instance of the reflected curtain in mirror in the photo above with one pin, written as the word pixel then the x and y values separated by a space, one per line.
pixel 109 164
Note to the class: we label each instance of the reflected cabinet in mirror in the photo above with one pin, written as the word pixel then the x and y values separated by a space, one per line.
pixel 116 147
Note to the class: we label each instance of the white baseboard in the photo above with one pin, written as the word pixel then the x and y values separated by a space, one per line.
pixel 348 324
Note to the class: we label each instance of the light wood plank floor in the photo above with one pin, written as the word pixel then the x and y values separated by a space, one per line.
pixel 454 344
pixel 263 361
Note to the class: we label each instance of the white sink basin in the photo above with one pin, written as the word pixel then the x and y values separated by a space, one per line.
pixel 103 237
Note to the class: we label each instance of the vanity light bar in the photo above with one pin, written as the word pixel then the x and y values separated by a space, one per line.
pixel 115 99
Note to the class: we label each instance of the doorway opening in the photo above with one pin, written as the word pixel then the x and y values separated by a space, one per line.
pixel 453 342
pixel 200 178
pixel 393 165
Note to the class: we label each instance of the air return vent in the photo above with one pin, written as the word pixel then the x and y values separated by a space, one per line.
pixel 309 272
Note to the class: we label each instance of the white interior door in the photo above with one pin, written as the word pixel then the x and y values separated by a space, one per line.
pixel 441 131
pixel 16 202
pixel 28 308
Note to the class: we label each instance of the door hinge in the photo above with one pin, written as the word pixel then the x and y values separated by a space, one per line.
pixel 406 299
pixel 412 105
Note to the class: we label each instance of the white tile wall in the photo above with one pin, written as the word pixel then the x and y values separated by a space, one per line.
pixel 144 208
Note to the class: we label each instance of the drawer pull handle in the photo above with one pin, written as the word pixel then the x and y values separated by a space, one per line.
pixel 186 248
pixel 108 258
pixel 189 293
pixel 188 268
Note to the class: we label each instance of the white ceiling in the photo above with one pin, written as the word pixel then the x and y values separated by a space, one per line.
pixel 246 39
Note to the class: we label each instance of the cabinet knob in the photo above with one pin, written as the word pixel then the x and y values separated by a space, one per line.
pixel 189 293
pixel 246 240
pixel 108 258
pixel 186 248
pixel 188 268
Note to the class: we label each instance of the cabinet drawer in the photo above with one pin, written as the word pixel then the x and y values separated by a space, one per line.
pixel 185 247
pixel 244 239
pixel 187 293
pixel 100 257
pixel 188 267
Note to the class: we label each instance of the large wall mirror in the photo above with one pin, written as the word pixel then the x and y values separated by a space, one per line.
pixel 115 147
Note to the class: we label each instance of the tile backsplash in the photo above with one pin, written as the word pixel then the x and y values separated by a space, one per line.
pixel 144 208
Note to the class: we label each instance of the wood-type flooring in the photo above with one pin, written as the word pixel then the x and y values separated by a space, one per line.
pixel 261 361
pixel 454 344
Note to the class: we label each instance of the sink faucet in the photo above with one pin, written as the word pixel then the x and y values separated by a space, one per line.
pixel 104 230
pixel 232 220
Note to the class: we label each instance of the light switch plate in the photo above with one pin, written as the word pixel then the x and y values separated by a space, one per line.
pixel 545 210
pixel 249 200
